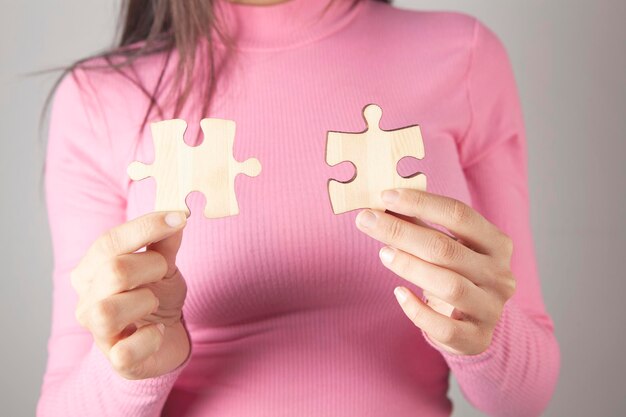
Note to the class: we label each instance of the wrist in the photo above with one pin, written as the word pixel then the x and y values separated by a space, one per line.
pixel 179 335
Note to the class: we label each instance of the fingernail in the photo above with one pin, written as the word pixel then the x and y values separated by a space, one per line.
pixel 387 254
pixel 174 219
pixel 390 196
pixel 400 294
pixel 366 218
pixel 161 327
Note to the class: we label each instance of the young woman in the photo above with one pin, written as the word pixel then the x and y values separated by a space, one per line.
pixel 286 308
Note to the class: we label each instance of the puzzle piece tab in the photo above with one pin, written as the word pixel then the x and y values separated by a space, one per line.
pixel 209 168
pixel 375 154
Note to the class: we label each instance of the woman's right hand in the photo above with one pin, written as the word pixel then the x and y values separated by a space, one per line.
pixel 130 301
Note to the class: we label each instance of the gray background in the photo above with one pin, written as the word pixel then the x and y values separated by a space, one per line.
pixel 570 62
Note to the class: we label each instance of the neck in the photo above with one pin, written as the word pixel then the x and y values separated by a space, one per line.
pixel 258 2
pixel 277 24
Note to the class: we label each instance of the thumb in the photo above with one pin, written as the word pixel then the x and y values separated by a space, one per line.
pixel 169 246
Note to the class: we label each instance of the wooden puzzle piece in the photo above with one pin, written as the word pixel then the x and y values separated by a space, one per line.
pixel 375 154
pixel 209 168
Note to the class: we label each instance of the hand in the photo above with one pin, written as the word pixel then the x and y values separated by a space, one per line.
pixel 465 278
pixel 132 302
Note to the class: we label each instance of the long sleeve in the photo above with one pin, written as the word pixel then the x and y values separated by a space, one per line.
pixel 85 197
pixel 517 375
pixel 277 295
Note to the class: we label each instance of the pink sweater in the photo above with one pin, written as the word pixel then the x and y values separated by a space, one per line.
pixel 290 311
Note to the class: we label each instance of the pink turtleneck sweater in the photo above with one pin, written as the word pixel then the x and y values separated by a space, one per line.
pixel 290 311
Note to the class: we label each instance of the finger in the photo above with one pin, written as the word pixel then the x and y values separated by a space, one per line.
pixel 420 222
pixel 459 218
pixel 441 306
pixel 109 316
pixel 130 356
pixel 443 283
pixel 137 233
pixel 411 219
pixel 425 243
pixel 168 248
pixel 445 330
pixel 128 271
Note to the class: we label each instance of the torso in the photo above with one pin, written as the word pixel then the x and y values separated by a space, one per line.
pixel 287 302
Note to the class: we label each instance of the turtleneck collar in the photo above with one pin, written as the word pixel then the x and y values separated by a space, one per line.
pixel 283 25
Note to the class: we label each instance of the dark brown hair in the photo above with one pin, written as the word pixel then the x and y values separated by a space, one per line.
pixel 149 27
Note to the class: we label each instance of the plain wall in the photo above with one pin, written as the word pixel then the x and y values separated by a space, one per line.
pixel 570 62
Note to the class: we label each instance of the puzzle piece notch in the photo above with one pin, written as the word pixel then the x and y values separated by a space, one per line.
pixel 209 168
pixel 375 154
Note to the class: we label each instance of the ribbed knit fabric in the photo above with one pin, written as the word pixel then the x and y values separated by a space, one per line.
pixel 290 311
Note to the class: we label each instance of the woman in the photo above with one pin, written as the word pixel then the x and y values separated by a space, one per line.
pixel 285 308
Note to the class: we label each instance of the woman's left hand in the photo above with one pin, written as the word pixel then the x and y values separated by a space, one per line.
pixel 466 278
